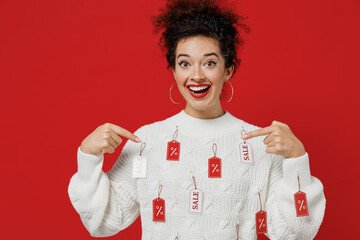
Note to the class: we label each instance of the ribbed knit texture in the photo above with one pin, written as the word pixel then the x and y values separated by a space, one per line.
pixel 110 202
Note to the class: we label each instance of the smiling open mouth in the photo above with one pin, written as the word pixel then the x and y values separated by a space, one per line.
pixel 198 91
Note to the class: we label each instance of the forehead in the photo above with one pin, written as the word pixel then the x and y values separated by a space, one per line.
pixel 197 45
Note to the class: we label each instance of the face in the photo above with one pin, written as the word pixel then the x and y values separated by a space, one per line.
pixel 200 73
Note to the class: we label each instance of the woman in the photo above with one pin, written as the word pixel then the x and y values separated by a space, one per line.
pixel 196 175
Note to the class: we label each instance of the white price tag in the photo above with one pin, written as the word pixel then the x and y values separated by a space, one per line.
pixel 139 167
pixel 196 201
pixel 246 153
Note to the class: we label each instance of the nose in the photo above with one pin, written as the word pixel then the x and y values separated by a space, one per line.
pixel 197 74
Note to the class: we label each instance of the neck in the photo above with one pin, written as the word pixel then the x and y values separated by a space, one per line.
pixel 214 112
pixel 196 127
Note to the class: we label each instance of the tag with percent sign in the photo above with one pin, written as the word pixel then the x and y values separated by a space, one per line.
pixel 214 170
pixel 260 219
pixel 300 201
pixel 261 222
pixel 301 204
pixel 246 153
pixel 214 167
pixel 159 210
pixel 173 148
pixel 159 207
pixel 173 151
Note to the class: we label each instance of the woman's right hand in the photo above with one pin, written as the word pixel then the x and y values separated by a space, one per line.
pixel 105 139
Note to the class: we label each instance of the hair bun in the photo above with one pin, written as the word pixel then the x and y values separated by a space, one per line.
pixel 184 18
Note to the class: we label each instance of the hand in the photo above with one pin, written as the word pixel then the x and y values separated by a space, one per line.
pixel 280 141
pixel 105 138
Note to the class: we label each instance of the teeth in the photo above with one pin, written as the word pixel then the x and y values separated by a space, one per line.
pixel 198 88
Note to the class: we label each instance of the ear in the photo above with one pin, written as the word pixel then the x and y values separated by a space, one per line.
pixel 229 72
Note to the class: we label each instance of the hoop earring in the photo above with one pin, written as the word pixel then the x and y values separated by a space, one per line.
pixel 171 97
pixel 232 92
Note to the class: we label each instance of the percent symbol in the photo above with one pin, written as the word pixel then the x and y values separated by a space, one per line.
pixel 215 168
pixel 301 206
pixel 173 151
pixel 157 207
pixel 261 224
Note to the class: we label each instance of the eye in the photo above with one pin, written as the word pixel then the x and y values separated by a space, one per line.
pixel 210 64
pixel 183 64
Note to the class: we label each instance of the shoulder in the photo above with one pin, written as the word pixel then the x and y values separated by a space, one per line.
pixel 247 126
pixel 257 142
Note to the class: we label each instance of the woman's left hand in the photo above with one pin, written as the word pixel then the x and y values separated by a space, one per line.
pixel 280 141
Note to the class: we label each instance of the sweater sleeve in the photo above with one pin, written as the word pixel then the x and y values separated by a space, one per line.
pixel 280 206
pixel 106 202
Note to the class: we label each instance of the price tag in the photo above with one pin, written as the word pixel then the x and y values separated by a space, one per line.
pixel 260 219
pixel 173 148
pixel 139 167
pixel 246 154
pixel 261 222
pixel 300 202
pixel 214 167
pixel 159 207
pixel 196 201
pixel 173 151
pixel 159 210
pixel 140 164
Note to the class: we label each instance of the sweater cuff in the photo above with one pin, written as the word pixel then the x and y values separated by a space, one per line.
pixel 291 166
pixel 88 164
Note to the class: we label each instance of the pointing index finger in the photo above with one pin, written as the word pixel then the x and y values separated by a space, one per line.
pixel 125 133
pixel 258 132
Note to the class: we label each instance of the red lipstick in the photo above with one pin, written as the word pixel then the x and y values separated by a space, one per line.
pixel 198 93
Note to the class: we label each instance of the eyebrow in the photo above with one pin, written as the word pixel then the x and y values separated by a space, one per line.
pixel 205 55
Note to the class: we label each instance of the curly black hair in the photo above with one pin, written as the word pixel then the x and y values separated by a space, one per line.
pixel 185 18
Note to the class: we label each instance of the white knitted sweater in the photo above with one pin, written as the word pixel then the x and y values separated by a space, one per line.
pixel 109 202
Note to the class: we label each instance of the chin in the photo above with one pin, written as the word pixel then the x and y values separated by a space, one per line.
pixel 201 106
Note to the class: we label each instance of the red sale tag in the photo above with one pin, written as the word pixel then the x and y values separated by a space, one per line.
pixel 159 210
pixel 173 151
pixel 214 167
pixel 301 204
pixel 261 222
pixel 300 201
pixel 260 219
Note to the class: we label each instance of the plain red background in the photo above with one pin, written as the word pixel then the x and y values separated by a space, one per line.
pixel 67 67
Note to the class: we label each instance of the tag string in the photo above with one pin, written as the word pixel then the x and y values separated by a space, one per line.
pixel 194 181
pixel 298 180
pixel 142 147
pixel 243 134
pixel 159 191
pixel 214 148
pixel 237 231
pixel 260 202
pixel 175 134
